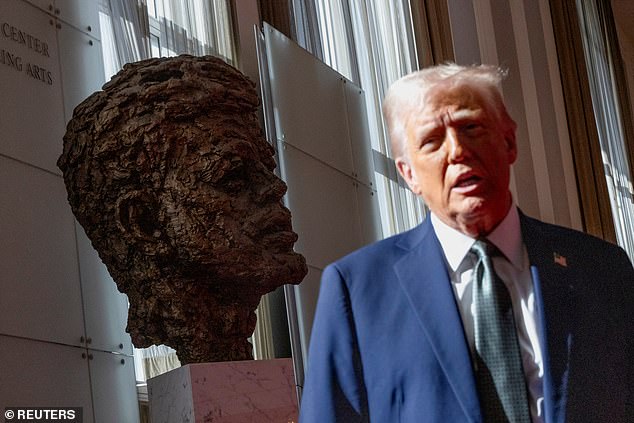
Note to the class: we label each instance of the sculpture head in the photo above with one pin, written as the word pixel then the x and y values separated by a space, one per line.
pixel 168 172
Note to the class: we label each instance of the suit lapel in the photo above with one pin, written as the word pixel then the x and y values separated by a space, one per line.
pixel 554 296
pixel 423 276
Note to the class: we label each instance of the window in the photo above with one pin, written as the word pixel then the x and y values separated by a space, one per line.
pixel 197 27
pixel 609 120
pixel 139 29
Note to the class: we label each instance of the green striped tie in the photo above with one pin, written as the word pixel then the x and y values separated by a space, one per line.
pixel 498 363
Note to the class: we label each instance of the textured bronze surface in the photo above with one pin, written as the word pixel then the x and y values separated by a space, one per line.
pixel 169 174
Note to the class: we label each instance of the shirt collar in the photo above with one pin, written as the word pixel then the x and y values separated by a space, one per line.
pixel 507 237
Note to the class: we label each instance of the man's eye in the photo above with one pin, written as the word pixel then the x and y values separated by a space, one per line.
pixel 430 143
pixel 471 127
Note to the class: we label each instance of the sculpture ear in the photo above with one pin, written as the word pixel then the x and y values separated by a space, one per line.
pixel 136 215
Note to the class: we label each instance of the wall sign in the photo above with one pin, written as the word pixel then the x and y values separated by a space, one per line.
pixel 19 41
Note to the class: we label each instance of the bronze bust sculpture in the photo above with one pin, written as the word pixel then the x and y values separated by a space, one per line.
pixel 169 173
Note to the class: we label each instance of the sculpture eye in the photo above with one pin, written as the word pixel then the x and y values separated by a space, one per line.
pixel 214 169
pixel 224 173
pixel 235 179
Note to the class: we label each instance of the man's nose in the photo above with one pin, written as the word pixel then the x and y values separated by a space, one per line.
pixel 455 146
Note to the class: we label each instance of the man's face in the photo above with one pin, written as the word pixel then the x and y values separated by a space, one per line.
pixel 225 216
pixel 457 157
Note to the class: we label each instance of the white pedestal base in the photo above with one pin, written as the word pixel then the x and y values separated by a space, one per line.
pixel 229 392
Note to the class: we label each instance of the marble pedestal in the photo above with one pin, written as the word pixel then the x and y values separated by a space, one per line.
pixel 228 392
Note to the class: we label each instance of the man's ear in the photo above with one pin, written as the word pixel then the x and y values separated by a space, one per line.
pixel 408 174
pixel 136 214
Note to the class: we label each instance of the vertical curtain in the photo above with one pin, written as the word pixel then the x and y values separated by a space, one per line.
pixel 371 42
pixel 304 25
pixel 125 33
pixel 198 27
pixel 607 112
pixel 158 359
pixel 262 338
pixel 150 362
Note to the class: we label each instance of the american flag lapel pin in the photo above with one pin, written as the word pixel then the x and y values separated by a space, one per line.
pixel 560 260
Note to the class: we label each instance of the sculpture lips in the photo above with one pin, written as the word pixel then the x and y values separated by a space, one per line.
pixel 275 220
pixel 281 240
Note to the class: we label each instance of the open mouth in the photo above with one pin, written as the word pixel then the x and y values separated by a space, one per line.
pixel 467 181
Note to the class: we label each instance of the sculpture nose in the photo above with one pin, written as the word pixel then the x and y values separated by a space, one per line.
pixel 272 188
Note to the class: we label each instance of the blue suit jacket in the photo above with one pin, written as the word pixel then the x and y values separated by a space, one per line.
pixel 388 345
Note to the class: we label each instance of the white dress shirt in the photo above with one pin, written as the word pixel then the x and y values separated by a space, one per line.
pixel 514 271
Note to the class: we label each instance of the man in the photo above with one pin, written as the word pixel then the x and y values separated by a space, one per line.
pixel 169 173
pixel 480 314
